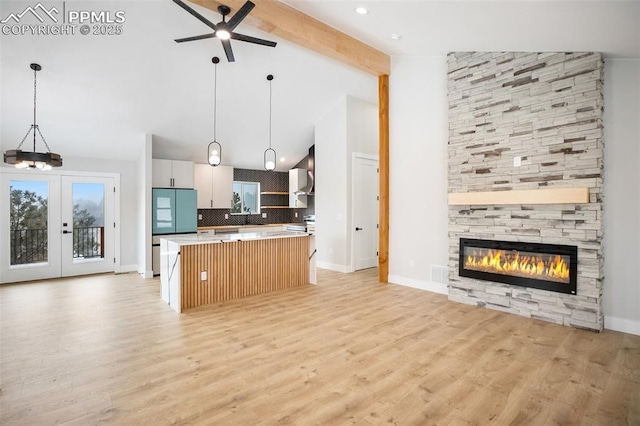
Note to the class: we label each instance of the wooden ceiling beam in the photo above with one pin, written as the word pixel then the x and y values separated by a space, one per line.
pixel 287 23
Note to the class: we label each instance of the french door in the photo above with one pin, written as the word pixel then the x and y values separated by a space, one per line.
pixel 54 226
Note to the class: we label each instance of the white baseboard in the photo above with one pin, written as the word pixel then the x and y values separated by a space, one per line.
pixel 128 268
pixel 333 267
pixel 622 324
pixel 422 285
pixel 146 275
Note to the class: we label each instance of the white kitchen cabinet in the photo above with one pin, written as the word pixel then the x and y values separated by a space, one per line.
pixel 214 186
pixel 172 174
pixel 297 180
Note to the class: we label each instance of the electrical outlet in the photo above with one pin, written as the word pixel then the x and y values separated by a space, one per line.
pixel 226 215
pixel 199 217
pixel 203 276
pixel 517 161
pixel 264 215
pixel 295 214
pixel 411 263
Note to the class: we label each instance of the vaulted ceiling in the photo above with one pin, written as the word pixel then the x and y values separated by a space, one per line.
pixel 98 95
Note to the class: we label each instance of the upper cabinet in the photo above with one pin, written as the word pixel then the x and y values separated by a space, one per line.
pixel 297 180
pixel 214 186
pixel 172 174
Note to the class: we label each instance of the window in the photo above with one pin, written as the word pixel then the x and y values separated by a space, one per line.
pixel 246 198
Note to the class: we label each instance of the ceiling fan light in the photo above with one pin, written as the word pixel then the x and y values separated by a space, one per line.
pixel 223 34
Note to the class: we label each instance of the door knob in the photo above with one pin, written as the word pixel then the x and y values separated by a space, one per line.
pixel 358 229
pixel 67 232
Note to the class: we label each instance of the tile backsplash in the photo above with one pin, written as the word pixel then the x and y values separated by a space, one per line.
pixel 269 182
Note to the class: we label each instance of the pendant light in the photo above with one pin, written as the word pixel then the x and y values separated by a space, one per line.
pixel 214 150
pixel 270 153
pixel 33 160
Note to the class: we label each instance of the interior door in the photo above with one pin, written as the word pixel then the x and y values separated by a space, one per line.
pixel 365 212
pixel 30 226
pixel 88 231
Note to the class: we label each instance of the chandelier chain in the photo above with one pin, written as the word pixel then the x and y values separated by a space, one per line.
pixel 42 137
pixel 25 137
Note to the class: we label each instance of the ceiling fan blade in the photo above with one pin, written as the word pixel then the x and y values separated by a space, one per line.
pixel 249 39
pixel 195 14
pixel 227 50
pixel 200 37
pixel 240 15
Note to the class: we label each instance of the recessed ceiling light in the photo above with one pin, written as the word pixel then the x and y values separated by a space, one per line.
pixel 396 36
pixel 362 10
pixel 282 159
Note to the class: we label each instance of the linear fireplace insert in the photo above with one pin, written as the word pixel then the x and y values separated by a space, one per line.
pixel 544 266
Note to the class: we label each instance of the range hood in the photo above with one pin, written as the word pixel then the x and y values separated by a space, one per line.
pixel 308 190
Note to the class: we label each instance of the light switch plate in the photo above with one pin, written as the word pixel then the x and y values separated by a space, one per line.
pixel 203 275
pixel 226 215
pixel 264 215
pixel 517 161
pixel 199 217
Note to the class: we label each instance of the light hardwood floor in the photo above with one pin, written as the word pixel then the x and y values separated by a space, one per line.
pixel 106 350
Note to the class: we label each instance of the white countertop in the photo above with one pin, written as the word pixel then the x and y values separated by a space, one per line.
pixel 206 238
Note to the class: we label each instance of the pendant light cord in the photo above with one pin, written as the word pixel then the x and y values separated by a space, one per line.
pixel 270 107
pixel 215 99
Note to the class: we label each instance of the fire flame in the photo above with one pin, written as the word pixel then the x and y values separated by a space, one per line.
pixel 546 267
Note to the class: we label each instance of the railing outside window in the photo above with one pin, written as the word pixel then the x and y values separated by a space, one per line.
pixel 30 245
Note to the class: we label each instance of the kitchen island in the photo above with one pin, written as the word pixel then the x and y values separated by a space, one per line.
pixel 198 270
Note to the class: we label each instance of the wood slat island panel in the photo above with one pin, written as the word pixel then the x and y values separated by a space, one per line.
pixel 241 268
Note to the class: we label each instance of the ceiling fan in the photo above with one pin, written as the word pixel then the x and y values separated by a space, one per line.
pixel 224 30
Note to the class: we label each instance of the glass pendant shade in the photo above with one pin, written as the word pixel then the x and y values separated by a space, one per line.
pixel 270 159
pixel 214 153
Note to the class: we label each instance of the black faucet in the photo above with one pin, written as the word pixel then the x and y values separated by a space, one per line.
pixel 246 218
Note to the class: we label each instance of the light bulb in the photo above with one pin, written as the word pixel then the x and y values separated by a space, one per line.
pixel 40 165
pixel 47 167
pixel 223 34
pixel 269 165
pixel 21 165
pixel 214 159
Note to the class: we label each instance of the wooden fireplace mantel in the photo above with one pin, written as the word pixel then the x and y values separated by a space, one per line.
pixel 531 196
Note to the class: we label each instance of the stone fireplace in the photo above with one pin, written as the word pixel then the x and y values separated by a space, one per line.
pixel 527 124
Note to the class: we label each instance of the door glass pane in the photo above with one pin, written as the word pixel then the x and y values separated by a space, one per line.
pixel 88 220
pixel 28 222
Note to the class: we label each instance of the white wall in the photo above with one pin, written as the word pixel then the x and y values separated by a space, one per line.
pixel 622 195
pixel 331 188
pixel 128 201
pixel 418 124
pixel 350 126
pixel 144 162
